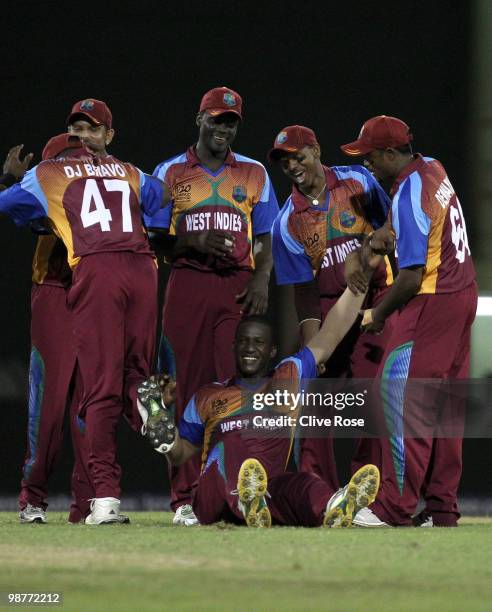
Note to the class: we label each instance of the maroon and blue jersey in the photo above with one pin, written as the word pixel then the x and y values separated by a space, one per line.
pixel 430 229
pixel 94 206
pixel 313 241
pixel 220 412
pixel 237 198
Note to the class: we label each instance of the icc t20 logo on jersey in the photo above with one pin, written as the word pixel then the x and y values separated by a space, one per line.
pixel 219 406
pixel 239 193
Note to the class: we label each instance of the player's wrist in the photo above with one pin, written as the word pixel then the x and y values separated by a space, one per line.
pixel 7 179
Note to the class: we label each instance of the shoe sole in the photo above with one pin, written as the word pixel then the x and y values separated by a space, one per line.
pixel 361 492
pixel 160 426
pixel 117 521
pixel 252 482
pixel 38 520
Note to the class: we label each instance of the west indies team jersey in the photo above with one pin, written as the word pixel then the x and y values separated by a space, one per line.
pixel 220 412
pixel 313 241
pixel 50 264
pixel 94 205
pixel 238 198
pixel 430 228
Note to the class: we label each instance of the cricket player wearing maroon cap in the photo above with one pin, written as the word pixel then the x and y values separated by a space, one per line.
pixel 51 370
pixel 436 295
pixel 224 422
pixel 53 354
pixel 223 205
pixel 94 203
pixel 320 226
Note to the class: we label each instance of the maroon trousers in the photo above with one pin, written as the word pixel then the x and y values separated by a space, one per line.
pixel 199 322
pixel 50 377
pixel 430 340
pixel 113 299
pixel 296 499
pixel 357 356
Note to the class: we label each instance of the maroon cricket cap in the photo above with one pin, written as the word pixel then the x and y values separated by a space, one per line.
pixel 60 143
pixel 379 133
pixel 222 100
pixel 95 110
pixel 291 139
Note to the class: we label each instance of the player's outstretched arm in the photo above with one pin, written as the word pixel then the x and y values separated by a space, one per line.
pixel 336 324
pixel 181 451
pixel 344 313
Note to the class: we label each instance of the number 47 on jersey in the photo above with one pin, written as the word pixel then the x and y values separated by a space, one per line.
pixel 94 211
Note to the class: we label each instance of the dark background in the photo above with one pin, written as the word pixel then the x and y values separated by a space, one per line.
pixel 329 66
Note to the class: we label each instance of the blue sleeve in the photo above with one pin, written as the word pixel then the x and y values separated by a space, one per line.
pixel 265 211
pixel 292 265
pixel 190 426
pixel 411 224
pixel 24 201
pixel 378 202
pixel 305 363
pixel 151 193
pixel 162 218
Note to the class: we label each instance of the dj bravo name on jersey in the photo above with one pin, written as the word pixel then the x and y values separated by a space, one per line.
pixel 108 170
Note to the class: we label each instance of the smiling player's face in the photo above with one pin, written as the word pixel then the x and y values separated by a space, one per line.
pixel 253 349
pixel 301 167
pixel 217 133
pixel 95 137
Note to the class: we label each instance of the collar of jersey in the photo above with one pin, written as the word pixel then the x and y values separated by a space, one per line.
pixel 193 160
pixel 301 202
pixel 416 164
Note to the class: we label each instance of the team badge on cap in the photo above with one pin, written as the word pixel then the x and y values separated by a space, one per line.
pixel 347 219
pixel 87 105
pixel 281 138
pixel 239 193
pixel 229 99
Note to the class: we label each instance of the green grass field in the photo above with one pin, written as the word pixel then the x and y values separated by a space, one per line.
pixel 152 565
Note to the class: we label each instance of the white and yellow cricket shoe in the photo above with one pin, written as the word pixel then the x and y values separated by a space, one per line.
pixel 357 494
pixel 252 484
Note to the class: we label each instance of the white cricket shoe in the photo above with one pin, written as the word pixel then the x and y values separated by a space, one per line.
pixel 32 514
pixel 185 516
pixel 366 518
pixel 105 510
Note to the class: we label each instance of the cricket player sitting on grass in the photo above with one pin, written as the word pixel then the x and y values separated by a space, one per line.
pixel 243 477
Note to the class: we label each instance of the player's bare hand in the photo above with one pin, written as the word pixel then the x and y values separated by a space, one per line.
pixel 354 274
pixel 214 242
pixel 382 241
pixel 254 298
pixel 167 386
pixel 371 324
pixel 13 163
pixel 369 259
